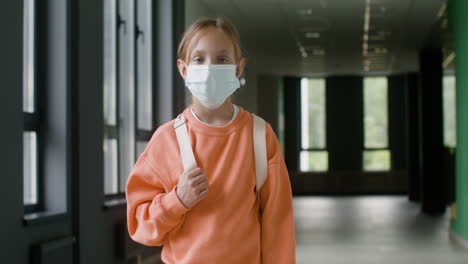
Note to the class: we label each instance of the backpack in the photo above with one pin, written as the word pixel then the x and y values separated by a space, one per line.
pixel 259 142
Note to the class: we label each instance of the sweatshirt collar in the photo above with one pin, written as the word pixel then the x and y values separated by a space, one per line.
pixel 193 123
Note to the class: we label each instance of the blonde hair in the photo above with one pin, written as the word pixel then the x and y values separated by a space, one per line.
pixel 195 30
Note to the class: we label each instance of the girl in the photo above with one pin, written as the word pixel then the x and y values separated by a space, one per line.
pixel 211 214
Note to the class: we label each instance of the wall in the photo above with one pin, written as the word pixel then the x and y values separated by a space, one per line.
pixel 459 20
pixel 345 142
pixel 267 101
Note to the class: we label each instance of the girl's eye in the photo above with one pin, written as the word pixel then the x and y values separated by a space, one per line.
pixel 198 60
pixel 222 60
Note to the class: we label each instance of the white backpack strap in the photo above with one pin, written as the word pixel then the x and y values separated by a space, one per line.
pixel 186 152
pixel 259 138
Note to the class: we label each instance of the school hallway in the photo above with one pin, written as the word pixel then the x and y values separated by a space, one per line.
pixel 367 101
pixel 371 229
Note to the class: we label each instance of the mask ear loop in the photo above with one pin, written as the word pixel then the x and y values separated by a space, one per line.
pixel 237 66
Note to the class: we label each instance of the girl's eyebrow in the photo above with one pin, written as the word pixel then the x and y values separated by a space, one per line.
pixel 196 52
pixel 202 52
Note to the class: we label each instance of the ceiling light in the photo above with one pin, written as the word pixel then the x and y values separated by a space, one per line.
pixel 304 12
pixel 380 50
pixel 301 49
pixel 312 35
pixel 318 52
pixel 366 37
pixel 366 19
pixel 449 59
pixel 442 10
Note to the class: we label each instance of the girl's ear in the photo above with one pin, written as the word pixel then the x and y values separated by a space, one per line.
pixel 240 67
pixel 182 68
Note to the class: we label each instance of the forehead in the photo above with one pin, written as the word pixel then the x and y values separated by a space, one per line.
pixel 211 39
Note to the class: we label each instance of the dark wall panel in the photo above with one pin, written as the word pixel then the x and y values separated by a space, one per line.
pixel 344 122
pixel 413 106
pixel 292 127
pixel 267 100
pixel 56 251
pixel 11 160
pixel 431 128
pixel 397 121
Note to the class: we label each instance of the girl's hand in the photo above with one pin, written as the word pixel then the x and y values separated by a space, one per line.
pixel 192 187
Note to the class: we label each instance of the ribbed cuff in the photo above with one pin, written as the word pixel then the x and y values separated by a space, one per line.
pixel 172 205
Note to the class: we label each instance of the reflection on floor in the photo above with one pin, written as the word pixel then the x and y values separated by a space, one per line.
pixel 371 229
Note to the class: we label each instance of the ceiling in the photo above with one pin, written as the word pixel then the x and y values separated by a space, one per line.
pixel 326 37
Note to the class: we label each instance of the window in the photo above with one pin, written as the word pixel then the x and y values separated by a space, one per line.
pixel 111 123
pixel 144 69
pixel 450 114
pixel 128 86
pixel 31 173
pixel 313 155
pixel 376 156
pixel 46 68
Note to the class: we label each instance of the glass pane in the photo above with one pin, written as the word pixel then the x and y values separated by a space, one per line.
pixel 127 110
pixel 376 160
pixel 144 71
pixel 30 168
pixel 450 114
pixel 141 146
pixel 110 166
pixel 313 113
pixel 110 62
pixel 28 56
pixel 375 112
pixel 314 161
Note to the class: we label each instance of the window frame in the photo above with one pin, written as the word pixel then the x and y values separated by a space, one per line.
pixel 142 135
pixel 32 122
pixel 112 132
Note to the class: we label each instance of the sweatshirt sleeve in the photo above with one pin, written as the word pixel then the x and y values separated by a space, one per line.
pixel 278 243
pixel 151 211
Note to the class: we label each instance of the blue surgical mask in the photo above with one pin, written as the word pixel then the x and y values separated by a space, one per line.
pixel 212 84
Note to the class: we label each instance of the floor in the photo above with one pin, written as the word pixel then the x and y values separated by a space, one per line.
pixel 371 229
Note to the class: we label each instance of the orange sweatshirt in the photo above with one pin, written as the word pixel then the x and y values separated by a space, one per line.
pixel 226 226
